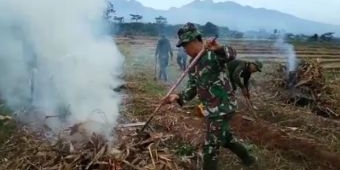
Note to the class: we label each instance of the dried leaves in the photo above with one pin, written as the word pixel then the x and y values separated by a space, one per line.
pixel 307 86
pixel 28 151
pixel 5 118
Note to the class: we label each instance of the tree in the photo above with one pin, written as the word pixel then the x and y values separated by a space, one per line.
pixel 161 20
pixel 161 23
pixel 136 17
pixel 276 31
pixel 119 19
pixel 110 11
pixel 315 37
pixel 210 29
pixel 235 34
pixel 327 36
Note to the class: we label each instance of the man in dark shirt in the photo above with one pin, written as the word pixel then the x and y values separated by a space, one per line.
pixel 163 52
pixel 182 58
pixel 240 73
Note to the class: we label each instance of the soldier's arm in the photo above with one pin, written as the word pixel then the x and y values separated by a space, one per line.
pixel 170 50
pixel 226 53
pixel 171 54
pixel 237 76
pixel 157 49
pixel 190 92
pixel 246 83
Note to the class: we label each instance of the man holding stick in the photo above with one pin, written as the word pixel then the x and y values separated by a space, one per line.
pixel 209 80
pixel 240 73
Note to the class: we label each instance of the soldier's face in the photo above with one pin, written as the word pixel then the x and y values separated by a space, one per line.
pixel 252 68
pixel 193 48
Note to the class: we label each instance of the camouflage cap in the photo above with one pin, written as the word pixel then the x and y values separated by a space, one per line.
pixel 258 65
pixel 187 33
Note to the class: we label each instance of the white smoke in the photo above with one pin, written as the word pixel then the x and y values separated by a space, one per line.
pixel 288 51
pixel 56 53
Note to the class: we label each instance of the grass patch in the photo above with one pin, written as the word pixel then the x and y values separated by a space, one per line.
pixel 6 127
pixel 153 88
pixel 184 149
pixel 144 91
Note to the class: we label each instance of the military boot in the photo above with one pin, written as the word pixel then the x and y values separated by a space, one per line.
pixel 209 163
pixel 241 152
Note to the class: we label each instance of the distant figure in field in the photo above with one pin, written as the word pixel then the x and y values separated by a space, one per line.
pixel 182 58
pixel 163 52
pixel 240 72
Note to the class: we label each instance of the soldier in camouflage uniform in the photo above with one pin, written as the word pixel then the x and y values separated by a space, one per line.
pixel 239 70
pixel 209 80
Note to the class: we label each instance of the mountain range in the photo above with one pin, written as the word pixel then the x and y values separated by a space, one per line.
pixel 230 14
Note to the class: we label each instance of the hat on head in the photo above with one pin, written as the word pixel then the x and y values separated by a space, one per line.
pixel 187 34
pixel 258 65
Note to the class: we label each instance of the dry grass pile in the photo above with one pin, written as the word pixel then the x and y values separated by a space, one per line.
pixel 154 150
pixel 307 86
pixel 28 150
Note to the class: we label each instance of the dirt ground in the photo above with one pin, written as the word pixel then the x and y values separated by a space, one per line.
pixel 281 136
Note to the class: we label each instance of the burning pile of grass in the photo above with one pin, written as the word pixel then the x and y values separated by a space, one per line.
pixel 307 86
pixel 28 150
pixel 158 149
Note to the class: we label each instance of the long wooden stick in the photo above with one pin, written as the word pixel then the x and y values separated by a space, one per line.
pixel 250 107
pixel 156 62
pixel 179 80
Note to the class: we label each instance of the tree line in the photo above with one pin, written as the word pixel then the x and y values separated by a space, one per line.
pixel 119 26
pixel 160 26
pixel 156 29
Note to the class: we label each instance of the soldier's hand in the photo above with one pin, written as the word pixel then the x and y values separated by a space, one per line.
pixel 212 45
pixel 245 93
pixel 170 99
pixel 231 52
pixel 233 93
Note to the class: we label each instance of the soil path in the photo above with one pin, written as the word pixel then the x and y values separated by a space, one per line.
pixel 265 134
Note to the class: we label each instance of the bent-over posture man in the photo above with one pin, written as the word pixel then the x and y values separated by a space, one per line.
pixel 241 70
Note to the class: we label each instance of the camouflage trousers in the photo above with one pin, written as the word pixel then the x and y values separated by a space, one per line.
pixel 218 134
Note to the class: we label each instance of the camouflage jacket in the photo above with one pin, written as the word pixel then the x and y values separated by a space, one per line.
pixel 209 80
pixel 238 70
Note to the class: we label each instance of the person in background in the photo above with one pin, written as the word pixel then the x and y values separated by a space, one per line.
pixel 163 52
pixel 182 58
pixel 240 73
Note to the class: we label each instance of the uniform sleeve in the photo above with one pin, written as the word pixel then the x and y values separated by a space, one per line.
pixel 237 76
pixel 190 92
pixel 170 50
pixel 246 82
pixel 157 48
pixel 226 53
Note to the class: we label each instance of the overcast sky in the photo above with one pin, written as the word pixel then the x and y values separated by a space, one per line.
pixel 326 11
